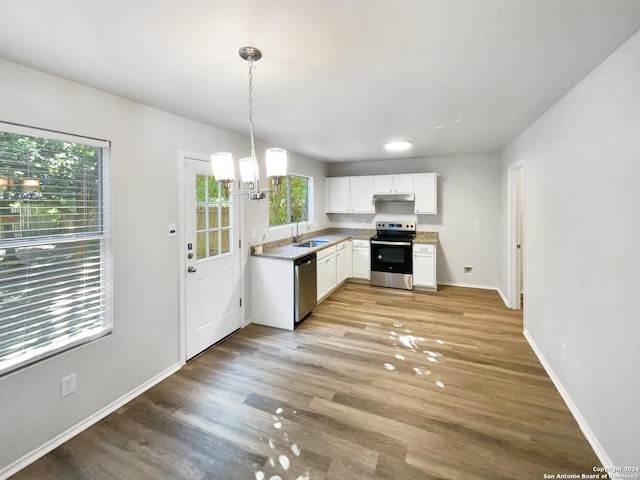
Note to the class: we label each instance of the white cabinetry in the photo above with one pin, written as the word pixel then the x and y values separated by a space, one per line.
pixel 393 183
pixel 338 195
pixel 326 271
pixel 350 195
pixel 426 192
pixel 361 189
pixel 344 265
pixel 424 265
pixel 361 259
pixel 275 278
pixel 355 194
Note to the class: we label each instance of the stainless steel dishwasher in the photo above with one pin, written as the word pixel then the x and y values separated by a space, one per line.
pixel 305 294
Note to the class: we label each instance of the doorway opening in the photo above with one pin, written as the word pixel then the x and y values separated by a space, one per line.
pixel 516 236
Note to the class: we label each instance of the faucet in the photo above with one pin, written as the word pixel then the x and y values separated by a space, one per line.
pixel 296 239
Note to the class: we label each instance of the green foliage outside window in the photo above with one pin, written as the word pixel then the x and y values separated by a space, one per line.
pixel 291 203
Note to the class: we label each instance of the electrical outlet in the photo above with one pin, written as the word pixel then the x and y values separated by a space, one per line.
pixel 67 385
pixel 468 269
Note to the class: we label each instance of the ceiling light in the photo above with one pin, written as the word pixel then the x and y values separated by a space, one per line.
pixel 398 146
pixel 275 158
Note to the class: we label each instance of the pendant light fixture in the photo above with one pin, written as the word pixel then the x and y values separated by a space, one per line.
pixel 275 158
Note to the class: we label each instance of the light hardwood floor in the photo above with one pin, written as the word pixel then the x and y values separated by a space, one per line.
pixel 376 384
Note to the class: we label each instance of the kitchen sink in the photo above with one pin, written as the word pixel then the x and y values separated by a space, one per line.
pixel 311 243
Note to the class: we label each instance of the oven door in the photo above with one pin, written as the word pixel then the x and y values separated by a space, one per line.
pixel 391 256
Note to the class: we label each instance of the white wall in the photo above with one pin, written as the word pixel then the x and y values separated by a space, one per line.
pixel 582 228
pixel 469 189
pixel 145 146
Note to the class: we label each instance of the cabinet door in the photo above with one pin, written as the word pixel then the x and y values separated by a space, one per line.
pixel 424 270
pixel 402 183
pixel 383 184
pixel 362 263
pixel 362 195
pixel 321 269
pixel 426 191
pixel 338 193
pixel 331 273
pixel 343 266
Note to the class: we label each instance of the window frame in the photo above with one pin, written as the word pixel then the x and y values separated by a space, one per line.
pixel 288 202
pixel 102 234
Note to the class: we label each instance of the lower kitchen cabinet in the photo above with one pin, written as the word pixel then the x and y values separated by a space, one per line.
pixel 361 254
pixel 344 262
pixel 424 266
pixel 326 271
pixel 272 292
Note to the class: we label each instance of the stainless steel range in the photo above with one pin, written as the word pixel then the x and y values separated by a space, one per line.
pixel 391 255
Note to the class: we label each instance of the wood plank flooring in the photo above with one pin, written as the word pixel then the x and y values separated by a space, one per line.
pixel 376 384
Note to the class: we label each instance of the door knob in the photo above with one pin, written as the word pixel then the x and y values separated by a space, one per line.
pixel 192 269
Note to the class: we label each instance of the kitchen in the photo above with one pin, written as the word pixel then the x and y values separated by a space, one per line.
pixel 588 126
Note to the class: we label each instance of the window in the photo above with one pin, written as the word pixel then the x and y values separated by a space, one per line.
pixel 213 218
pixel 55 276
pixel 291 203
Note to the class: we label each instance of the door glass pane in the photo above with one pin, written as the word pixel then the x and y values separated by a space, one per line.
pixel 200 217
pixel 226 215
pixel 201 246
pixel 213 210
pixel 213 217
pixel 201 181
pixel 213 189
pixel 214 247
pixel 226 241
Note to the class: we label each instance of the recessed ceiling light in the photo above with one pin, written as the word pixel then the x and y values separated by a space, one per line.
pixel 399 146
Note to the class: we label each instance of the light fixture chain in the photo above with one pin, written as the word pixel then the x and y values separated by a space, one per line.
pixel 253 145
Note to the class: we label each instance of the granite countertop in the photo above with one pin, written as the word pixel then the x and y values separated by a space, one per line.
pixel 285 250
pixel 427 237
pixel 291 252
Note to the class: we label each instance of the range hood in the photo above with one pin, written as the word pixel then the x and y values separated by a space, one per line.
pixel 394 197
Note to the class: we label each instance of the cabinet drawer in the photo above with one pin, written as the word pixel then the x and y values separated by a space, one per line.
pixel 360 243
pixel 325 252
pixel 424 248
pixel 341 246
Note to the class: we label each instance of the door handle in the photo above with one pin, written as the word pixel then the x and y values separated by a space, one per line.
pixel 192 269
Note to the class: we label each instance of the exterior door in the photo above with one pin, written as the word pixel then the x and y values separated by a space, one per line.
pixel 212 284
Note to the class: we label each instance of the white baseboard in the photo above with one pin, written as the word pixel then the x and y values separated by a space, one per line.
pixel 582 423
pixel 504 297
pixel 55 442
pixel 483 287
pixel 469 285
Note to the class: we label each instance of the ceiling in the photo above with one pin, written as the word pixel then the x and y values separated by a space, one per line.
pixel 338 78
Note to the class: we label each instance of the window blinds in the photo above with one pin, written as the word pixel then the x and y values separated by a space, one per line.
pixel 55 259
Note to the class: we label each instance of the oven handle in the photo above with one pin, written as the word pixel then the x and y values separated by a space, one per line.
pixel 394 244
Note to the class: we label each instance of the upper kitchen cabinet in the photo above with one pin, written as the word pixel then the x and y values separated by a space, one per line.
pixel 426 193
pixel 393 183
pixel 350 195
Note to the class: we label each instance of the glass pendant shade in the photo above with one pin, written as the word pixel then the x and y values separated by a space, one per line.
pixel 276 160
pixel 247 170
pixel 222 163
